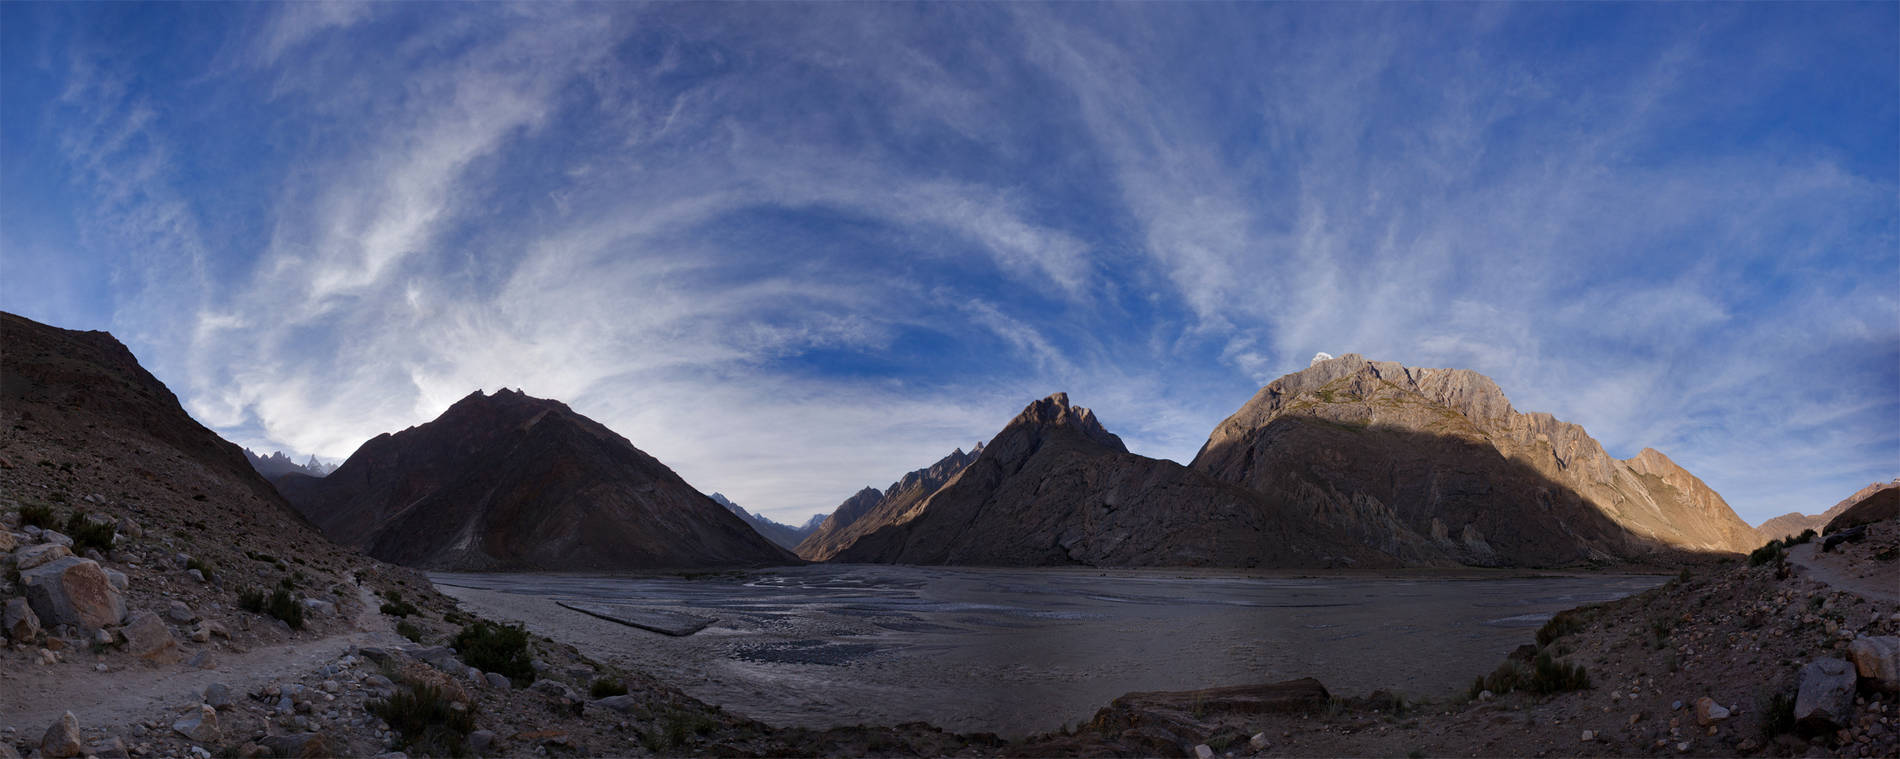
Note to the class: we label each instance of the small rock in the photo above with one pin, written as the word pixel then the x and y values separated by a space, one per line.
pixel 49 536
pixel 319 607
pixel 217 695
pixel 1675 706
pixel 103 637
pixel 497 680
pixel 22 625
pixel 481 741
pixel 149 639
pixel 1259 742
pixel 1485 695
pixel 203 660
pixel 110 748
pixel 297 745
pixel 196 574
pixel 200 724
pixel 1707 712
pixel 117 579
pixel 1877 661
pixel 1588 736
pixel 1202 751
pixel 1683 747
pixel 553 688
pixel 622 703
pixel 62 738
pixel 180 613
pixel 200 635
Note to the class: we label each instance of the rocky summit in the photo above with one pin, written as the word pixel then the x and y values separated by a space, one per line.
pixel 1434 466
pixel 1794 522
pixel 508 481
pixel 1057 488
pixel 870 508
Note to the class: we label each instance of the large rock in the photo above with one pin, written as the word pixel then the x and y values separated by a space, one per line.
pixel 22 625
pixel 1877 661
pixel 297 745
pixel 62 738
pixel 200 724
pixel 1826 696
pixel 73 591
pixel 35 555
pixel 7 541
pixel 181 613
pixel 148 638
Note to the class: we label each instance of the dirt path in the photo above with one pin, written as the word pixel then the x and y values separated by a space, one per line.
pixel 1871 583
pixel 38 695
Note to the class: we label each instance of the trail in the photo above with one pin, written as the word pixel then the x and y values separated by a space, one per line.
pixel 1827 569
pixel 35 697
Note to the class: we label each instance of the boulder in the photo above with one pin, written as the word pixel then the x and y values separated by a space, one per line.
pixel 62 738
pixel 496 679
pixel 297 745
pixel 439 657
pixel 203 660
pixel 554 688
pixel 180 613
pixel 200 724
pixel 1877 661
pixel 1826 696
pixel 108 748
pixel 622 703
pixel 1707 712
pixel 130 528
pixel 8 542
pixel 73 591
pixel 49 536
pixel 22 625
pixel 481 741
pixel 148 638
pixel 33 556
pixel 117 579
pixel 216 695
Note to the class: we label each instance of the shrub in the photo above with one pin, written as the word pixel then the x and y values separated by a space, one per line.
pixel 280 603
pixel 607 686
pixel 502 649
pixel 408 630
pixel 1552 676
pixel 1771 552
pixel 88 534
pixel 203 568
pixel 1563 623
pixel 1508 677
pixel 396 607
pixel 428 723
pixel 1777 715
pixel 37 515
pixel 1805 536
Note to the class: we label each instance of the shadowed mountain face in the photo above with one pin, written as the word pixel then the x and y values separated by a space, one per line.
pixel 1877 506
pixel 80 405
pixel 1794 522
pixel 513 482
pixel 1055 487
pixel 870 508
pixel 1433 466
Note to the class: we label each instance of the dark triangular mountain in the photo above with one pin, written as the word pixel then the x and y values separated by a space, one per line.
pixel 507 481
pixel 870 508
pixel 1433 465
pixel 1055 487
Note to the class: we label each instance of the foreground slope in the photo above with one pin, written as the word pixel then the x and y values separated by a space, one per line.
pixel 869 509
pixel 1433 465
pixel 1056 488
pixel 507 481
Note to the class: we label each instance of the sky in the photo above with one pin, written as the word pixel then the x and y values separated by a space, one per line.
pixel 793 250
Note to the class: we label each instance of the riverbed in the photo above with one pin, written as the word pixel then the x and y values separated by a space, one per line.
pixel 1020 651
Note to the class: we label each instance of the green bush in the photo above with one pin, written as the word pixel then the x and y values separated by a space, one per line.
pixel 279 603
pixel 38 515
pixel 428 723
pixel 1508 677
pixel 1561 624
pixel 1772 552
pixel 396 607
pixel 1552 676
pixel 607 686
pixel 87 534
pixel 502 649
pixel 1805 536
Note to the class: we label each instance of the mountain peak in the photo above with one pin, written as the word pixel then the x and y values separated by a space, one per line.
pixel 1054 412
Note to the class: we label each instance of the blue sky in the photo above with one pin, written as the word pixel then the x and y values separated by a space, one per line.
pixel 792 250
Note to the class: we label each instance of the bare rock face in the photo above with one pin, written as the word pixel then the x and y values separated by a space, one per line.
pixel 1056 488
pixel 868 509
pixel 73 591
pixel 1433 467
pixel 507 481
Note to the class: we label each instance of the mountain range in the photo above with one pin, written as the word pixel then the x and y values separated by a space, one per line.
pixel 278 464
pixel 1794 522
pixel 511 482
pixel 785 535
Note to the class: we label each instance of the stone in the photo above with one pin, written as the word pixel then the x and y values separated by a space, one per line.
pixel 1826 695
pixel 203 660
pixel 33 556
pixel 180 613
pixel 200 635
pixel 1588 736
pixel 297 745
pixel 319 607
pixel 439 657
pixel 622 703
pixel 130 528
pixel 73 591
pixel 1877 661
pixel 200 724
pixel 1259 742
pixel 380 655
pixel 1485 695
pixel 1707 712
pixel 22 625
pixel 217 695
pixel 103 637
pixel 117 579
pixel 554 688
pixel 1203 751
pixel 196 574
pixel 49 536
pixel 62 738
pixel 109 748
pixel 497 680
pixel 481 741
pixel 8 542
pixel 148 638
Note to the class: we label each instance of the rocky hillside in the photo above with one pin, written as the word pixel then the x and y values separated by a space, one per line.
pixel 1056 488
pixel 507 481
pixel 870 508
pixel 785 535
pixel 1792 523
pixel 1434 466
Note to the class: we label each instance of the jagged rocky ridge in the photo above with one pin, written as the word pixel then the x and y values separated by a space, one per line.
pixel 785 535
pixel 1055 487
pixel 1434 466
pixel 508 481
pixel 1794 522
pixel 277 464
pixel 868 509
